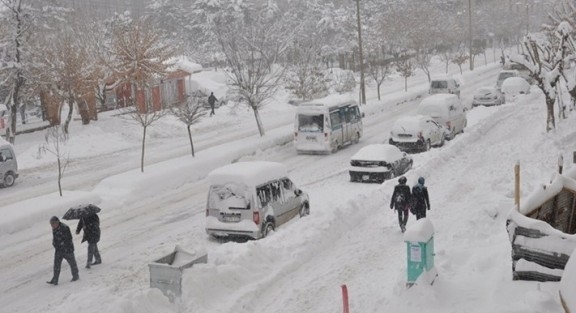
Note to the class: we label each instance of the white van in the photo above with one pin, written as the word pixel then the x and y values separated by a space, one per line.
pixel 8 164
pixel 444 85
pixel 446 110
pixel 327 124
pixel 250 199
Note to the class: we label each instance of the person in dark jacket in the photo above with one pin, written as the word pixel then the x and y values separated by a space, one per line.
pixel 91 226
pixel 64 249
pixel 401 202
pixel 212 101
pixel 420 201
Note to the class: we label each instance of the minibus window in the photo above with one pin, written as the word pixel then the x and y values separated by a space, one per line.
pixel 310 123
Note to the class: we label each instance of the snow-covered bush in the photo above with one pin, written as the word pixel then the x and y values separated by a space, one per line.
pixel 339 80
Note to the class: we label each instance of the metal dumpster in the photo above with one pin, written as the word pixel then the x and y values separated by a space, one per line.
pixel 166 272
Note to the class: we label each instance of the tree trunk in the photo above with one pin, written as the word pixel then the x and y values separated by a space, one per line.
pixel 84 112
pixel 447 63
pixel 460 66
pixel 143 145
pixel 405 83
pixel 550 123
pixel 378 88
pixel 258 121
pixel 69 117
pixel 59 173
pixel 191 143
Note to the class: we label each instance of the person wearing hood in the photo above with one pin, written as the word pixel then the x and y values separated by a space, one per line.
pixel 401 202
pixel 421 202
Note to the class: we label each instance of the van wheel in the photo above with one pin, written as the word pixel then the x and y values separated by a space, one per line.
pixel 428 145
pixel 442 141
pixel 304 210
pixel 9 179
pixel 268 228
pixel 334 148
pixel 356 138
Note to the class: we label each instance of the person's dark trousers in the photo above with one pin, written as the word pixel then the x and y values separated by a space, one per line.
pixel 93 252
pixel 212 112
pixel 420 214
pixel 69 257
pixel 402 217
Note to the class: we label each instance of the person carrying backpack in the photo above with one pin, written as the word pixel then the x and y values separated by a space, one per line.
pixel 401 202
pixel 420 199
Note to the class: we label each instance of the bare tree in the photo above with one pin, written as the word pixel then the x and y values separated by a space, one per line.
pixel 253 46
pixel 141 56
pixel 378 69
pixel 545 61
pixel 54 143
pixel 18 21
pixel 459 58
pixel 406 67
pixel 190 113
pixel 304 77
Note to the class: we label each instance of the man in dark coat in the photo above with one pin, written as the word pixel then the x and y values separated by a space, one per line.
pixel 401 202
pixel 64 249
pixel 91 226
pixel 212 101
pixel 420 201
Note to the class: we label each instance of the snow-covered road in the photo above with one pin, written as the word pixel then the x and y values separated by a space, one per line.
pixel 350 237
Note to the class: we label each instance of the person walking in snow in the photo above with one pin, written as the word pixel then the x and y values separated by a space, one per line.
pixel 212 101
pixel 64 249
pixel 401 202
pixel 420 200
pixel 91 226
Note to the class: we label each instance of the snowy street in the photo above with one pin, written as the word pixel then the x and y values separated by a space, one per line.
pixel 351 236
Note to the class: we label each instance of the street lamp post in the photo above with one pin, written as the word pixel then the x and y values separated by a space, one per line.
pixel 470 34
pixel 362 85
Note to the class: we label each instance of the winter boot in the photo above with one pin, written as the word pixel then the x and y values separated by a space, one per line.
pixel 52 282
pixel 75 278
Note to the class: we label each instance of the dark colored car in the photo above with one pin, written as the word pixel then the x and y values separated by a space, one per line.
pixel 378 162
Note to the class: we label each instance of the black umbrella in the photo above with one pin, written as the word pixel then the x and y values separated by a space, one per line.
pixel 78 212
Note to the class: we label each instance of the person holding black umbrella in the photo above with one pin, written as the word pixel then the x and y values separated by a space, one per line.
pixel 64 249
pixel 91 226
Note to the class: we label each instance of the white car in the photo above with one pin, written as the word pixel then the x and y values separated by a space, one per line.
pixel 378 162
pixel 417 133
pixel 514 86
pixel 487 96
pixel 503 75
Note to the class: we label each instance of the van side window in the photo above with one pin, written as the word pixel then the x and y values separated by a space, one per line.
pixel 264 194
pixel 7 154
pixel 335 119
pixel 287 184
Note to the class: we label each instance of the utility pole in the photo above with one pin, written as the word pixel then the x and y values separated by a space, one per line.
pixel 470 34
pixel 362 85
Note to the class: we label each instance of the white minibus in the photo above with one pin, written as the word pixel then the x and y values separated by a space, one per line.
pixel 327 124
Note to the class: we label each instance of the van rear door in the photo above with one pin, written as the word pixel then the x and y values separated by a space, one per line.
pixel 229 203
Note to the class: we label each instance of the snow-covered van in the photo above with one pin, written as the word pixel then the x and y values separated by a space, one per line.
pixel 446 110
pixel 327 124
pixel 444 85
pixel 250 199
pixel 8 164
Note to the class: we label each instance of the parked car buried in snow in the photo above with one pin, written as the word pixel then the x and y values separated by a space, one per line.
pixel 378 162
pixel 487 96
pixel 514 86
pixel 8 164
pixel 251 199
pixel 417 133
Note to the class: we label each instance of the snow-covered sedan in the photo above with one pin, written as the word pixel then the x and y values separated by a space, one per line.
pixel 487 96
pixel 378 162
pixel 514 86
pixel 417 133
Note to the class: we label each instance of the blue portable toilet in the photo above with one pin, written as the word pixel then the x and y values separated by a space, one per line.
pixel 419 240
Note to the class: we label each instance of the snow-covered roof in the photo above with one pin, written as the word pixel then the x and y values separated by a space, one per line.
pixel 378 152
pixel 545 192
pixel 3 107
pixel 326 102
pixel 3 142
pixel 183 63
pixel 420 231
pixel 408 123
pixel 252 173
pixel 568 284
pixel 515 85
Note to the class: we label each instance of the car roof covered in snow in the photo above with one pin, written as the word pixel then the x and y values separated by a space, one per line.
pixel 3 142
pixel 409 123
pixel 378 152
pixel 252 173
pixel 325 103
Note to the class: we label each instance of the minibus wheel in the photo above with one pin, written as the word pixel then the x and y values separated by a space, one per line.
pixel 8 179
